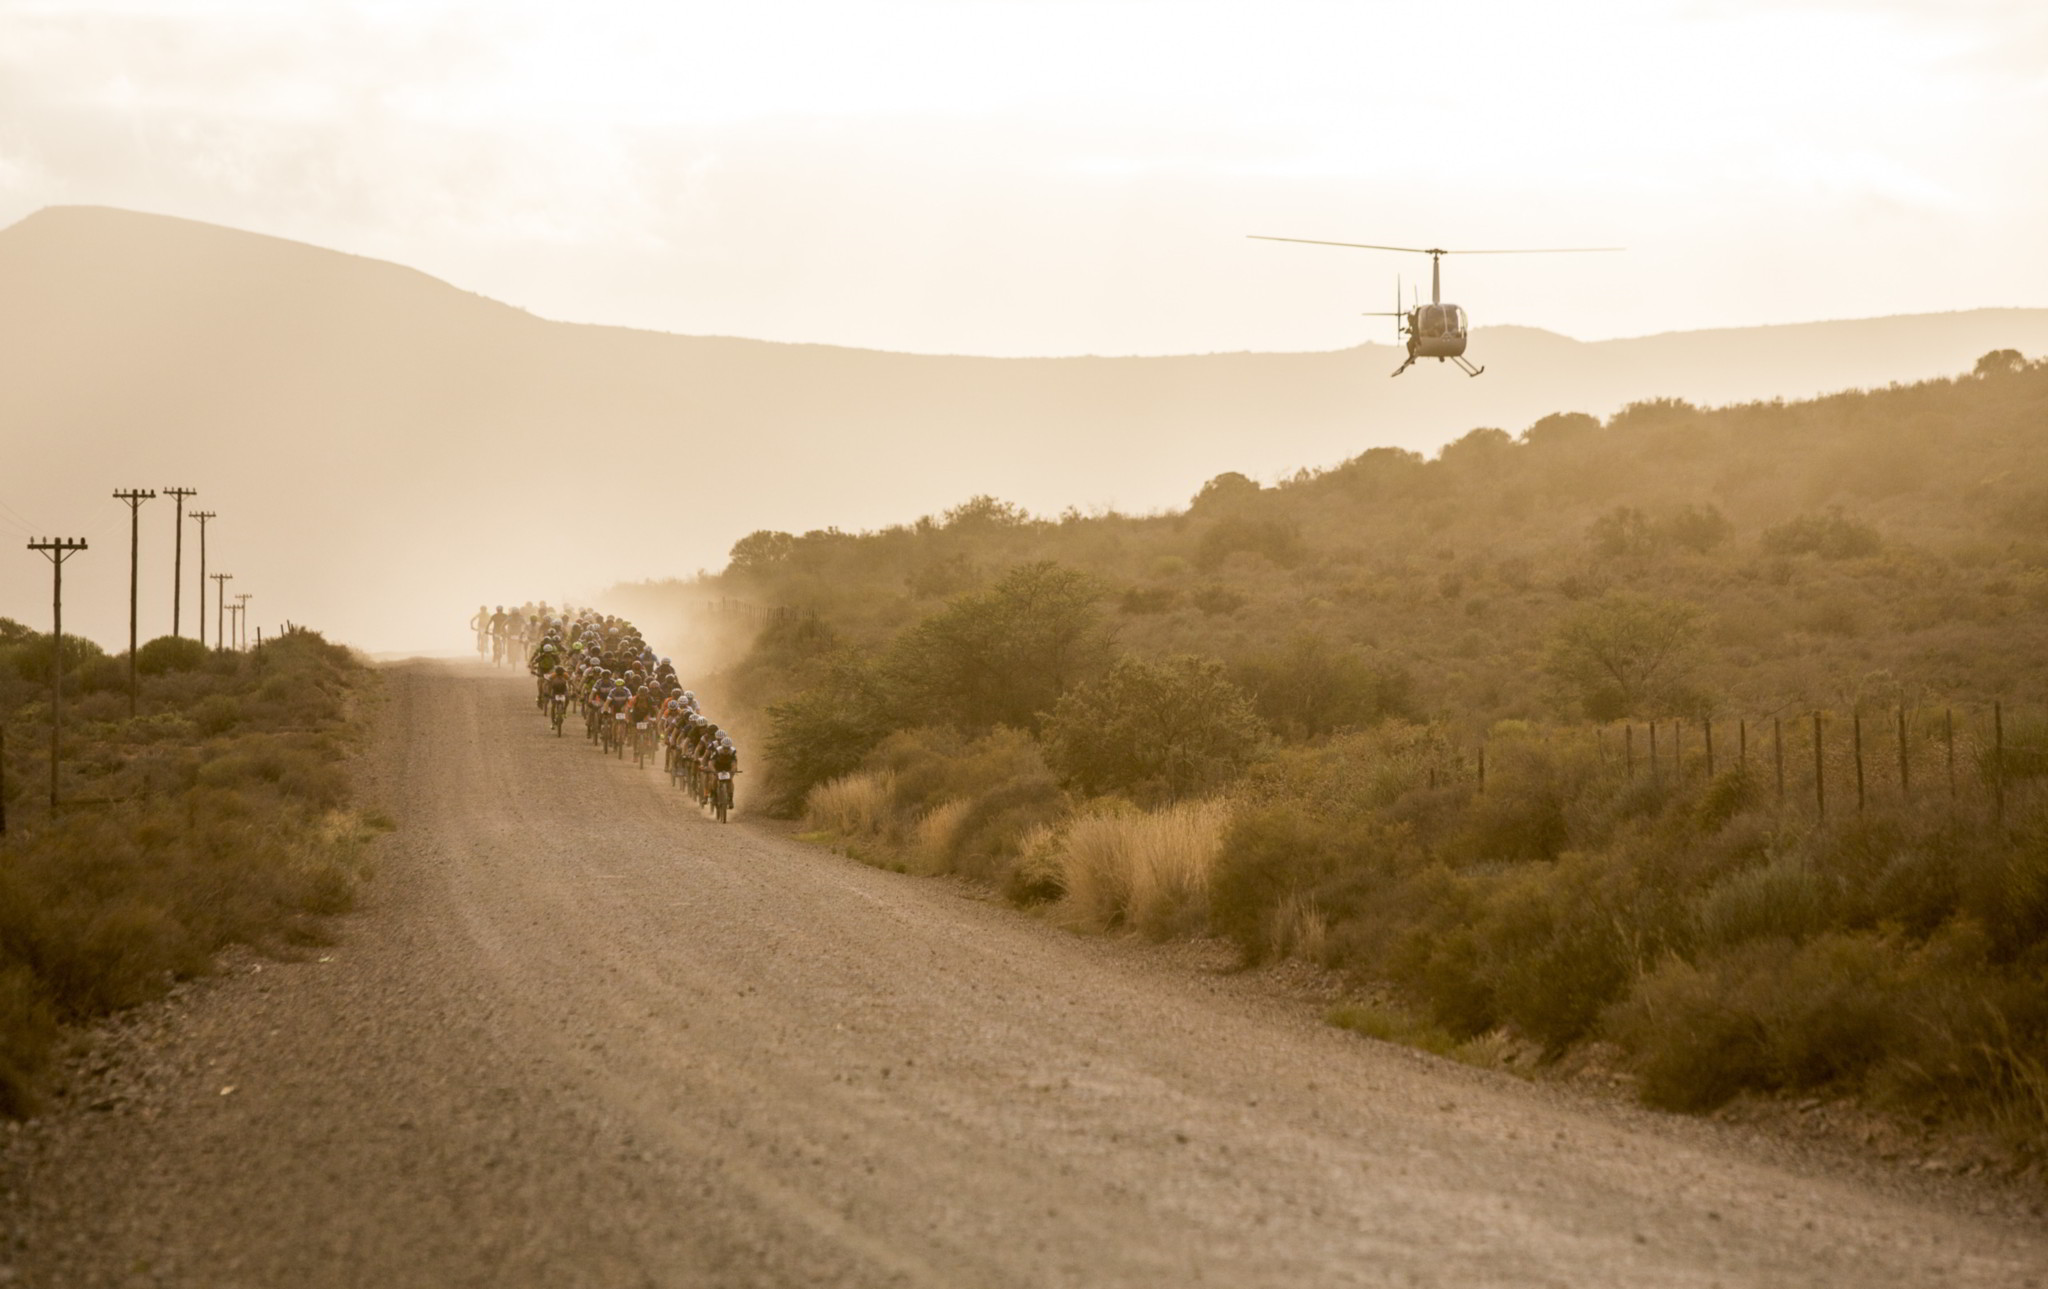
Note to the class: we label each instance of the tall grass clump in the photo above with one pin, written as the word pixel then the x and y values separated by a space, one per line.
pixel 853 805
pixel 1150 871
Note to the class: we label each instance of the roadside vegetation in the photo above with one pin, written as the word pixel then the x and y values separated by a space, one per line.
pixel 219 814
pixel 1441 725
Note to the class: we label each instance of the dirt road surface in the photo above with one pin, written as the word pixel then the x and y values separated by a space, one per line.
pixel 583 1036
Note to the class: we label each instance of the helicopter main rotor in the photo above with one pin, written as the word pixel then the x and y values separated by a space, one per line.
pixel 1436 254
pixel 1438 330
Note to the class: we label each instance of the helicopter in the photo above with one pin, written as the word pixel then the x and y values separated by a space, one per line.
pixel 1434 330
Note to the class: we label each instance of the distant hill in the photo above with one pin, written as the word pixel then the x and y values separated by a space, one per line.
pixel 385 450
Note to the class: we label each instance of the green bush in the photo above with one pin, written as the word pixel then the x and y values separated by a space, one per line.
pixel 1833 535
pixel 1160 731
pixel 171 653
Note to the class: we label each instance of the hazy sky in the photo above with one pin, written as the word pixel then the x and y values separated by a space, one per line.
pixel 1068 177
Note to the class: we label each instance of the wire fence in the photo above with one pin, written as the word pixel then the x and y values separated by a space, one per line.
pixel 1827 763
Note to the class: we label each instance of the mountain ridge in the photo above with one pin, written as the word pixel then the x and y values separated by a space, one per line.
pixel 343 413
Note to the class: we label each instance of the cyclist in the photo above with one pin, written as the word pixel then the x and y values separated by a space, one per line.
pixel 554 688
pixel 725 762
pixel 481 624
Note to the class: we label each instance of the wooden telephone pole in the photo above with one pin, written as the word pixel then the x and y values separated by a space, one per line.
pixel 134 497
pixel 220 598
pixel 178 557
pixel 241 618
pixel 57 549
pixel 202 516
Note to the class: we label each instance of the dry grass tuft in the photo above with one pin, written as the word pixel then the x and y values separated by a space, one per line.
pixel 855 805
pixel 1149 871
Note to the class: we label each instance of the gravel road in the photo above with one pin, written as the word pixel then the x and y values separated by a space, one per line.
pixel 581 1035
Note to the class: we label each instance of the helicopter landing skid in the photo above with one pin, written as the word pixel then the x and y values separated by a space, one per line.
pixel 1463 366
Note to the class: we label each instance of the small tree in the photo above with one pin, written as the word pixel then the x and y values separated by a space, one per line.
pixel 762 549
pixel 1004 655
pixel 1224 492
pixel 983 513
pixel 1624 653
pixel 1622 532
pixel 1165 729
pixel 1560 428
pixel 1313 687
pixel 2000 362
pixel 1696 528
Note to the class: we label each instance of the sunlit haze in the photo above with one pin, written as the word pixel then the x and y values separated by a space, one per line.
pixel 993 179
pixel 1060 178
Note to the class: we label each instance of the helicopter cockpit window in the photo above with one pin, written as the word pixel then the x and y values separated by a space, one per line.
pixel 1432 320
pixel 1454 320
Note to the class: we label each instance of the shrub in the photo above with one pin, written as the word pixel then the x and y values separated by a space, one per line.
pixel 171 653
pixel 1273 539
pixel 825 732
pixel 856 805
pixel 1162 730
pixel 1004 655
pixel 1763 1015
pixel 1694 528
pixel 1310 687
pixel 1833 535
pixel 1625 653
pixel 1782 900
pixel 217 714
pixel 1151 872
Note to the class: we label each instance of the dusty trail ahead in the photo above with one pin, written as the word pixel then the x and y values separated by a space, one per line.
pixel 583 1037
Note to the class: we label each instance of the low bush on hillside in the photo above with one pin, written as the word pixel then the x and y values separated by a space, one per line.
pixel 218 815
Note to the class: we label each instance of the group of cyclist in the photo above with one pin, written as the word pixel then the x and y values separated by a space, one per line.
pixel 504 636
pixel 630 699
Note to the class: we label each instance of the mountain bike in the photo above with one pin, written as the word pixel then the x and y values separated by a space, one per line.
pixel 721 793
pixel 558 710
pixel 640 744
pixel 619 735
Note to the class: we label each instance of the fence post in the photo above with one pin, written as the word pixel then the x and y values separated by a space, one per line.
pixel 1482 768
pixel 1905 770
pixel 1628 739
pixel 1856 737
pixel 1948 736
pixel 1820 774
pixel 1677 747
pixel 1710 746
pixel 1998 761
pixel 1778 753
pixel 1742 742
pixel 1656 771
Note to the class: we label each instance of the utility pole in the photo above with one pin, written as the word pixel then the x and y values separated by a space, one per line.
pixel 220 598
pixel 178 557
pixel 241 618
pixel 58 549
pixel 202 516
pixel 134 497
